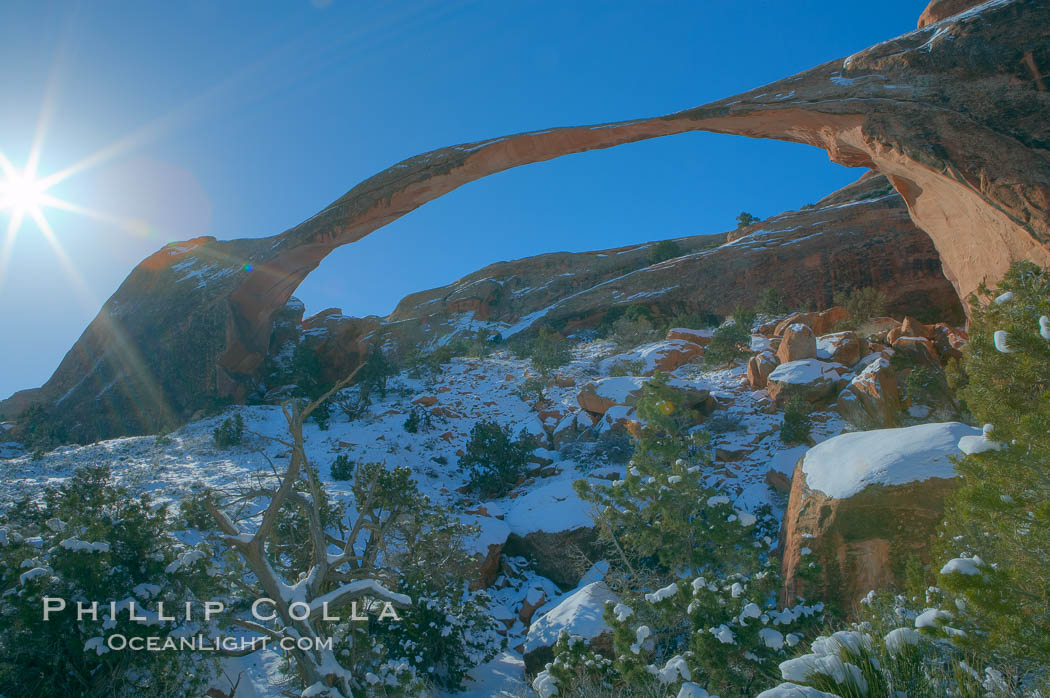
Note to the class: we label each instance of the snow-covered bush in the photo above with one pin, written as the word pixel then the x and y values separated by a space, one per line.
pixel 696 582
pixel 493 459
pixel 797 421
pixel 1000 514
pixel 730 341
pixel 898 648
pixel 90 540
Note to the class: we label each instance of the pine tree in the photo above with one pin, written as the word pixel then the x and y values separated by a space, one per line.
pixel 998 521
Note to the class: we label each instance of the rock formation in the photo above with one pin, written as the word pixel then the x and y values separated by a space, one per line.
pixel 861 504
pixel 952 113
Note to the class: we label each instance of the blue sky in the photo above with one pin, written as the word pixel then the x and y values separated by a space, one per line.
pixel 241 119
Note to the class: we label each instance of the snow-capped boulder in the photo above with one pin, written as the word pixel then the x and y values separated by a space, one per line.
pixel 602 394
pixel 797 342
pixel 665 355
pixel 862 503
pixel 812 379
pixel 842 347
pixel 579 614
pixel 872 398
pixel 701 337
pixel 913 328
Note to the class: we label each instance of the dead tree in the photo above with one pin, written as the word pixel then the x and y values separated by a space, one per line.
pixel 334 579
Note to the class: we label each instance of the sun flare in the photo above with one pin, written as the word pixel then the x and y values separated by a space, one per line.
pixel 21 191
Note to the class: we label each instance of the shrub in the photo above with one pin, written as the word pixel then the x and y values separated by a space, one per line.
pixel 745 219
pixel 93 540
pixel 631 330
pixel 322 416
pixel 230 433
pixel 40 429
pixel 861 304
pixel 797 421
pixel 374 374
pixel 495 461
pixel 306 372
pixel 665 407
pixel 548 350
pixel 1001 510
pixel 342 467
pixel 690 571
pixel 628 368
pixel 730 341
pixel 771 302
pixel 664 250
pixel 418 419
pixel 532 390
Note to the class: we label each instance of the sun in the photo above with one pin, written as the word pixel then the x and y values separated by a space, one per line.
pixel 22 192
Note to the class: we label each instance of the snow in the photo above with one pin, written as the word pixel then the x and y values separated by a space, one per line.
pixel 1004 298
pixel 963 565
pixel 1001 339
pixel 791 690
pixel 978 443
pixel 649 355
pixel 1044 327
pixel 804 372
pixel 844 465
pixel 618 388
pixel 661 594
pixel 897 639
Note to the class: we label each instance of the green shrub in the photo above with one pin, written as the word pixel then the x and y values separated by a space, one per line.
pixel 632 330
pixel 548 350
pixel 797 421
pixel 690 571
pixel 419 419
pixel 494 461
pixel 322 415
pixel 342 467
pixel 93 540
pixel 745 219
pixel 665 407
pixel 731 341
pixel 374 374
pixel 862 304
pixel 532 390
pixel 40 429
pixel 230 433
pixel 771 302
pixel 1001 510
pixel 664 250
pixel 628 368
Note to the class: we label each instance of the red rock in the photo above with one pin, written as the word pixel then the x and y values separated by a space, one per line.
pixel 830 318
pixel 797 342
pixel 913 328
pixel 942 9
pixel 425 401
pixel 701 337
pixel 872 398
pixel 448 436
pixel 778 481
pixel 443 389
pixel 593 403
pixel 842 347
pixel 759 367
pixel 807 319
pixel 877 327
pixel 919 349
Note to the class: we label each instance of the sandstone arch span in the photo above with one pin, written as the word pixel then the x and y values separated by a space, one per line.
pixel 953 113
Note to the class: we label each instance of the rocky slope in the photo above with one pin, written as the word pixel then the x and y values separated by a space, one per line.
pixel 952 113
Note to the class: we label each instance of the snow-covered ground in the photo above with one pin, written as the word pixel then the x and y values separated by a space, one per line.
pixel 467 390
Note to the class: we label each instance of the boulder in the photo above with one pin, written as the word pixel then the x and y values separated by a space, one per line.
pixel 579 613
pixel 701 337
pixel 842 347
pixel 797 342
pixel 918 349
pixel 807 319
pixel 830 318
pixel 913 328
pixel 861 505
pixel 552 553
pixel 872 398
pixel 877 327
pixel 665 355
pixel 813 380
pixel 759 367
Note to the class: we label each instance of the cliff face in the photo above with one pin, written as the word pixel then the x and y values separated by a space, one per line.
pixel 953 114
